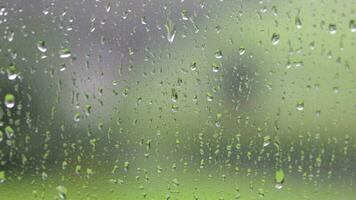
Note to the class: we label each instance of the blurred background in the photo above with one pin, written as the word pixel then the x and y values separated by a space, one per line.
pixel 184 99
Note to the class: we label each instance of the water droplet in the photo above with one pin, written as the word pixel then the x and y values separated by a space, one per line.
pixel 215 67
pixel 174 95
pixel 275 38
pixel 332 29
pixel 9 131
pixel 298 23
pixel 2 177
pixel 184 15
pixel 77 117
pixel 193 66
pixel 126 166
pixel 218 54
pixel 170 29
pixel 266 140
pixel 41 46
pixel 62 192
pixel 352 26
pixel 209 97
pixel 9 100
pixel 64 53
pixel 143 20
pixel 11 72
pixel 279 178
pixel 300 106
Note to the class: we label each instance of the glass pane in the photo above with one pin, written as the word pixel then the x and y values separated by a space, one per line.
pixel 179 99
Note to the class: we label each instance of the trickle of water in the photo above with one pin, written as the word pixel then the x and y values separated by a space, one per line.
pixel 41 46
pixel 170 29
pixel 275 38
pixel 9 100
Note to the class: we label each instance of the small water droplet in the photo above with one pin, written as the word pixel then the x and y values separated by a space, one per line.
pixel 76 117
pixel 332 29
pixel 9 100
pixel 300 106
pixel 184 15
pixel 242 50
pixel 352 26
pixel 143 20
pixel 11 72
pixel 64 53
pixel 298 23
pixel 41 46
pixel 266 140
pixel 275 38
pixel 62 192
pixel 279 178
pixel 170 29
pixel 2 177
pixel 215 67
pixel 218 54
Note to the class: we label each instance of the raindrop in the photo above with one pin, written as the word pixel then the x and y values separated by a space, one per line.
pixel 218 54
pixel 2 177
pixel 184 15
pixel 215 67
pixel 279 178
pixel 170 29
pixel 64 53
pixel 332 29
pixel 9 100
pixel 352 26
pixel 11 72
pixel 77 117
pixel 41 46
pixel 300 106
pixel 298 23
pixel 143 20
pixel 266 140
pixel 62 192
pixel 242 50
pixel 275 38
